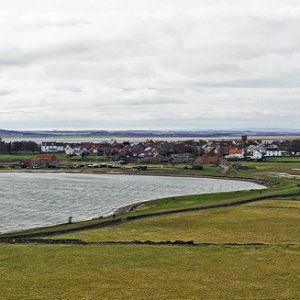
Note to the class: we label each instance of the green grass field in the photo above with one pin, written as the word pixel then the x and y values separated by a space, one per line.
pixel 146 272
pixel 216 271
pixel 271 222
pixel 16 158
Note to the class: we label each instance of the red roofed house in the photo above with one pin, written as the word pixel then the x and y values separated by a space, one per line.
pixel 44 161
pixel 235 153
pixel 207 160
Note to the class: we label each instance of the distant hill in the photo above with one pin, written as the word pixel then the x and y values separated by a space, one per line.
pixel 147 133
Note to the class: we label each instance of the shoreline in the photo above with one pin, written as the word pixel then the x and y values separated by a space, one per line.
pixel 131 207
pixel 263 182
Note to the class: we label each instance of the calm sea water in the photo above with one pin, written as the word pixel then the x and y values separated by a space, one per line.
pixel 30 200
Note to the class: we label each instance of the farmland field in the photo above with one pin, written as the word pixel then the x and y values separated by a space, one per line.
pixel 148 272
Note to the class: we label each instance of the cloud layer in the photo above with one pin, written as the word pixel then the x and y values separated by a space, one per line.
pixel 149 64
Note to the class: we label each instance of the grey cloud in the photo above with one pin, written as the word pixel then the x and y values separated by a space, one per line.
pixel 7 92
pixel 156 64
pixel 224 68
pixel 65 23
pixel 11 56
pixel 283 81
pixel 72 89
pixel 5 112
pixel 18 57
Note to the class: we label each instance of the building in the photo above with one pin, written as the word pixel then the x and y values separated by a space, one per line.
pixel 207 160
pixel 44 161
pixel 52 147
pixel 255 155
pixel 181 158
pixel 275 152
pixel 74 149
pixel 235 153
pixel 255 152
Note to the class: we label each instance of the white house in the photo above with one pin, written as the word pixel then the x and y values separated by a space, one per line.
pixel 52 147
pixel 273 147
pixel 255 152
pixel 235 153
pixel 74 150
pixel 275 152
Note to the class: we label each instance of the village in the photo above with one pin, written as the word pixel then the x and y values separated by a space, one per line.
pixel 194 153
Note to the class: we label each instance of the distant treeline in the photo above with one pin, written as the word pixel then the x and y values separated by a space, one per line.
pixel 289 146
pixel 19 146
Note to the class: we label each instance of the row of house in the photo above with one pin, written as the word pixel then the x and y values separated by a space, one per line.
pixel 189 152
pixel 52 147
pixel 176 151
pixel 254 152
pixel 159 150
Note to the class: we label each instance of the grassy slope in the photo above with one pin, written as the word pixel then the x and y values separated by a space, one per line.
pixel 250 223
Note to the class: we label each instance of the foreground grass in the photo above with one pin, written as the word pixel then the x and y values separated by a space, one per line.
pixel 146 272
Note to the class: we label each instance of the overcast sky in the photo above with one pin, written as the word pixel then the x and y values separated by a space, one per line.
pixel 149 64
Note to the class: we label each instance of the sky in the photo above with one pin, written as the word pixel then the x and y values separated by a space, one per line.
pixel 149 64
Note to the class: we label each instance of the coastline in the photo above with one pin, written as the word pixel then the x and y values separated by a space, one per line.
pixel 265 183
pixel 131 207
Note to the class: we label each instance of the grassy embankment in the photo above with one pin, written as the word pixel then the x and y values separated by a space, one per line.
pixel 217 271
pixel 250 223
